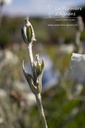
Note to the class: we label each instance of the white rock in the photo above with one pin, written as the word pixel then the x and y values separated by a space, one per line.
pixel 10 57
pixel 3 93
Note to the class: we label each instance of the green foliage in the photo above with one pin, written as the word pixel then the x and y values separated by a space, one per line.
pixel 4 38
pixel 10 31
pixel 11 26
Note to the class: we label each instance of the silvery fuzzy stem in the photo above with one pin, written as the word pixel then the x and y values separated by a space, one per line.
pixel 1 8
pixel 80 29
pixel 41 111
pixel 35 79
pixel 38 96
pixel 78 42
pixel 77 39
pixel 30 53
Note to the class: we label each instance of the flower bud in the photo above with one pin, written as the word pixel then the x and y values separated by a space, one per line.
pixel 35 81
pixel 27 32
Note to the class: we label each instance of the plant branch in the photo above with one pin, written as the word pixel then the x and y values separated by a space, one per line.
pixel 30 52
pixel 41 111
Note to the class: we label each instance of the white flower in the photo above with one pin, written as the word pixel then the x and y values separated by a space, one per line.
pixel 77 65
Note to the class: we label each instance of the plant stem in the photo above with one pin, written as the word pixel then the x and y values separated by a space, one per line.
pixel 41 111
pixel 38 96
pixel 30 52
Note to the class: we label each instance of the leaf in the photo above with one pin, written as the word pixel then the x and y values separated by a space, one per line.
pixel 42 65
pixel 29 33
pixel 23 34
pixel 30 81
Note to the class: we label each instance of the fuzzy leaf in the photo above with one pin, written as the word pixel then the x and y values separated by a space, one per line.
pixel 30 81
pixel 23 35
pixel 42 65
pixel 29 33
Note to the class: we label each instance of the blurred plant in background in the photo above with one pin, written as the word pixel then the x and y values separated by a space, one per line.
pixel 63 100
pixel 2 3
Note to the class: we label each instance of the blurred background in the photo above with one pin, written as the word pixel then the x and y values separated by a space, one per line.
pixel 58 36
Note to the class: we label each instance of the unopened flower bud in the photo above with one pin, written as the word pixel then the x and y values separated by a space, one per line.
pixel 27 32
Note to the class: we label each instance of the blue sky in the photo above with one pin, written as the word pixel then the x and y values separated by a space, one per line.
pixel 37 7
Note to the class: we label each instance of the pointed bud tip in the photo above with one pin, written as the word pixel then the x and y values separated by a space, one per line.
pixel 26 19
